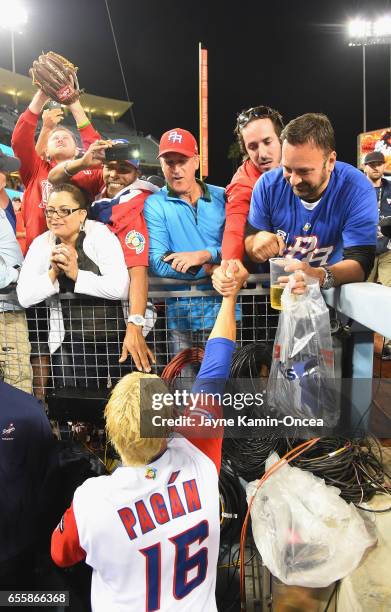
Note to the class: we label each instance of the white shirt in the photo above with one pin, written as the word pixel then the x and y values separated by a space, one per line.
pixel 35 285
pixel 10 256
pixel 310 205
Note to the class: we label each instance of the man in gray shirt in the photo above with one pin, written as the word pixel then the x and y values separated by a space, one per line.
pixel 14 342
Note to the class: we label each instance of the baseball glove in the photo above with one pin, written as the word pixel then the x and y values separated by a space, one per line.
pixel 56 76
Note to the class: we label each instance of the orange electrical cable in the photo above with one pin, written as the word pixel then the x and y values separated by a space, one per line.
pixel 190 356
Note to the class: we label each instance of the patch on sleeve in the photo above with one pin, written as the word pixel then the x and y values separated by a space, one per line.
pixel 135 241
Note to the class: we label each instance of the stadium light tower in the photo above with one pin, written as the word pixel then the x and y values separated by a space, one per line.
pixel 12 17
pixel 363 33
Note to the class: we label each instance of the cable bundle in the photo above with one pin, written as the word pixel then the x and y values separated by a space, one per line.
pixel 190 356
pixel 354 466
pixel 249 360
pixel 248 455
pixel 232 501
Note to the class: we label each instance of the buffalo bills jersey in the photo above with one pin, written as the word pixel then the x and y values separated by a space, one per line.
pixel 151 533
pixel 346 215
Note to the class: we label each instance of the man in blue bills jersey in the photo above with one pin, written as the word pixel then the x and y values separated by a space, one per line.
pixel 314 208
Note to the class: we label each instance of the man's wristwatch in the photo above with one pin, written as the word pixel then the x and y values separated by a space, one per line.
pixel 329 278
pixel 136 319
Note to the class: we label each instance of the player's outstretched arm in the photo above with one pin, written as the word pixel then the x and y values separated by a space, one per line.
pixel 216 364
pixel 213 365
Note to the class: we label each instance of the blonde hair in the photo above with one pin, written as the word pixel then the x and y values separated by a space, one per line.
pixel 129 411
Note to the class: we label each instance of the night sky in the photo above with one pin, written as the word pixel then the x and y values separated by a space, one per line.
pixel 292 55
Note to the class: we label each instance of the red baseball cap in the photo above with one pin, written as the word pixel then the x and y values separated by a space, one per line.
pixel 178 141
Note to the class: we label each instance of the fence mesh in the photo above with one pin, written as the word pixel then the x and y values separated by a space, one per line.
pixel 75 342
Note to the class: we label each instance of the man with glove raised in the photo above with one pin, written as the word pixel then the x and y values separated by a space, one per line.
pixel 60 147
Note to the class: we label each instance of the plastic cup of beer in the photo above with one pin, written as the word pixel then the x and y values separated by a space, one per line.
pixel 277 265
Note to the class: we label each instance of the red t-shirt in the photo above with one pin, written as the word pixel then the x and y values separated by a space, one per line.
pixel 34 173
pixel 238 195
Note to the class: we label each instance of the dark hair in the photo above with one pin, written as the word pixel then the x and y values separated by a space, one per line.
pixel 79 195
pixel 62 128
pixel 311 127
pixel 251 114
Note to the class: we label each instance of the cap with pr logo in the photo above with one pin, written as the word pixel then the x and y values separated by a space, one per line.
pixel 178 141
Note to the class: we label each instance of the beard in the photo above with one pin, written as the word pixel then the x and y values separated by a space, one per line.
pixel 311 191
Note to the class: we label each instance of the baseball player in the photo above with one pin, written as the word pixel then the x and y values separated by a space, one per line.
pixel 151 530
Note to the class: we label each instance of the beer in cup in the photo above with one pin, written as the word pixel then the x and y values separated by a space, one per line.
pixel 277 265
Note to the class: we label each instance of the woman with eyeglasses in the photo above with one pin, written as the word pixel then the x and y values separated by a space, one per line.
pixel 82 257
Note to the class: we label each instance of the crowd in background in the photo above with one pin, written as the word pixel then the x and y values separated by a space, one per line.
pixel 94 227
pixel 186 230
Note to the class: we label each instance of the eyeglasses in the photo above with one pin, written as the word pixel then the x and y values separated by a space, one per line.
pixel 60 212
pixel 257 112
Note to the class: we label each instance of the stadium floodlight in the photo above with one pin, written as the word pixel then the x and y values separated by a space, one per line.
pixel 13 15
pixel 359 29
pixel 364 33
pixel 13 18
pixel 382 27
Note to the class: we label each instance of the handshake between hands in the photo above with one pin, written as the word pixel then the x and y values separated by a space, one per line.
pixel 231 275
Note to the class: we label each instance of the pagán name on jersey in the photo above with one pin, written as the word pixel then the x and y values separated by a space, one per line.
pixel 160 509
pixel 305 248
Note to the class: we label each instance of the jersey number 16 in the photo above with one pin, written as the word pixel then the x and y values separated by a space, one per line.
pixel 182 565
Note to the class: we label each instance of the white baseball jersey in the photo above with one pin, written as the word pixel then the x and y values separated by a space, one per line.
pixel 151 533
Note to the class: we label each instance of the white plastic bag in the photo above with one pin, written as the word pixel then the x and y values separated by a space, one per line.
pixel 306 533
pixel 301 381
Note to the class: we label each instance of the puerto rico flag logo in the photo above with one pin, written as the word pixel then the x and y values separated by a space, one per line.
pixel 135 241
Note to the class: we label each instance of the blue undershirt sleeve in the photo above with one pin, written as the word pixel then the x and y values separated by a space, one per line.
pixel 215 366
